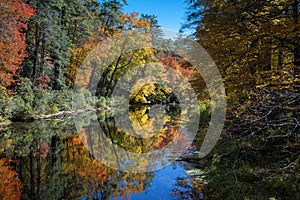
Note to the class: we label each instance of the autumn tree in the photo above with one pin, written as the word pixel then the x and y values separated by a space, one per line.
pixel 252 42
pixel 103 21
pixel 255 45
pixel 95 64
pixel 13 18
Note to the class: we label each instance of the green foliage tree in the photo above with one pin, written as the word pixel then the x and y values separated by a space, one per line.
pixel 56 27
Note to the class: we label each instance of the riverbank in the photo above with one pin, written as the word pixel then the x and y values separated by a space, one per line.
pixel 5 123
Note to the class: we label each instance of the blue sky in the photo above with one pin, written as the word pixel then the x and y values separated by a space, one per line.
pixel 170 13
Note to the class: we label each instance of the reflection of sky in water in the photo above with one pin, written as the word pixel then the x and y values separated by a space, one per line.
pixel 163 183
pixel 161 187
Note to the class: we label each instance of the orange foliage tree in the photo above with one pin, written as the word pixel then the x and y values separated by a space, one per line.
pixel 13 17
pixel 10 185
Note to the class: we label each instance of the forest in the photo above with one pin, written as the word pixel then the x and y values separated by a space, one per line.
pixel 43 44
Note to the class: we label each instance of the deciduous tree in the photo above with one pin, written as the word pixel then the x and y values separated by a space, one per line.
pixel 14 15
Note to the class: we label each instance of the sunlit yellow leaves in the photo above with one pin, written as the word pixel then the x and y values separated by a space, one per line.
pixel 81 72
pixel 140 92
pixel 133 21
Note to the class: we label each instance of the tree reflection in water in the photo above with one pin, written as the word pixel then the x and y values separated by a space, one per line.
pixel 48 160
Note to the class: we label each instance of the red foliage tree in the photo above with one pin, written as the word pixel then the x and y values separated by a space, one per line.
pixel 13 17
pixel 177 64
pixel 43 82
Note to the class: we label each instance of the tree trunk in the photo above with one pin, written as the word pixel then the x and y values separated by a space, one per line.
pixel 38 179
pixel 297 38
pixel 56 85
pixel 36 50
pixel 43 52
pixel 32 191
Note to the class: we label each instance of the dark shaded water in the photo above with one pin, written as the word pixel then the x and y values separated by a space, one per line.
pixel 49 160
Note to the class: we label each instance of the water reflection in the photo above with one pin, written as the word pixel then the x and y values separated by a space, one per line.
pixel 48 160
pixel 10 185
pixel 115 143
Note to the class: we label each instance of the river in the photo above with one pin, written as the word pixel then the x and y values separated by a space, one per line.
pixel 51 159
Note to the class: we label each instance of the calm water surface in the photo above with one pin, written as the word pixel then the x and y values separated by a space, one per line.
pixel 48 159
